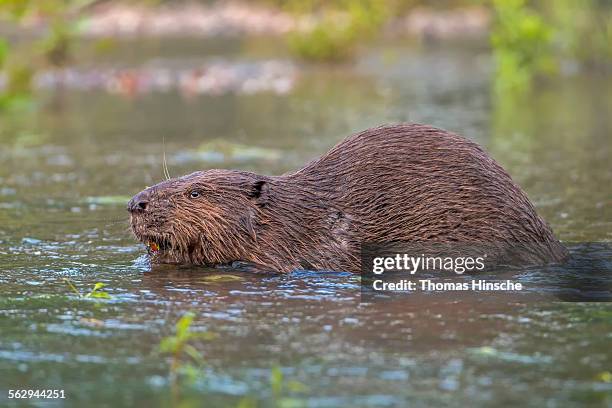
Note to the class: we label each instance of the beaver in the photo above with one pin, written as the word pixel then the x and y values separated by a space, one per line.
pixel 393 183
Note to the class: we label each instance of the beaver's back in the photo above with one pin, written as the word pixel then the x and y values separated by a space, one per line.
pixel 416 183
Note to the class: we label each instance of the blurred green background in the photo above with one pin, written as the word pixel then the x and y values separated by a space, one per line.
pixel 528 39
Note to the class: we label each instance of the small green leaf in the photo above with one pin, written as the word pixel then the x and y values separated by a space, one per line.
pixel 98 285
pixel 184 323
pixel 168 344
pixel 276 381
pixel 96 293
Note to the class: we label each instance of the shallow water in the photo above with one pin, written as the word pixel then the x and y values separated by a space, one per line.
pixel 68 169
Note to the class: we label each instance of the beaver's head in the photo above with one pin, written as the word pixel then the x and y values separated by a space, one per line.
pixel 205 218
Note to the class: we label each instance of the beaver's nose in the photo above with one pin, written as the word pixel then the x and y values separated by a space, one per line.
pixel 139 202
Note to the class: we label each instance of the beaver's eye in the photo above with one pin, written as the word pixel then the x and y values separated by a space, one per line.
pixel 194 194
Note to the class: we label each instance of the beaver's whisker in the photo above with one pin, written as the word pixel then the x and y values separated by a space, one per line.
pixel 165 163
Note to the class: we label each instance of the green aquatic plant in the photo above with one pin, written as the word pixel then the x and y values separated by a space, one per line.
pixel 94 293
pixel 186 362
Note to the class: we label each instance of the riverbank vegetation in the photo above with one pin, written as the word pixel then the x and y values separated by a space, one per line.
pixel 528 38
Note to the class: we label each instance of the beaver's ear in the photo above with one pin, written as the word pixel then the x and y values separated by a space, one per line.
pixel 258 192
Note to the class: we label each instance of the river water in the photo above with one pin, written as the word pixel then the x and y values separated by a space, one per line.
pixel 68 168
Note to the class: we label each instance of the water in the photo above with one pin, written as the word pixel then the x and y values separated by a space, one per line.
pixel 68 169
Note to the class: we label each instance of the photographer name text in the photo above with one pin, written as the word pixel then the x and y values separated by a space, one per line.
pixel 428 285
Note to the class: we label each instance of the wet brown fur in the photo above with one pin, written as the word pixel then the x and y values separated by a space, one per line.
pixel 395 183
